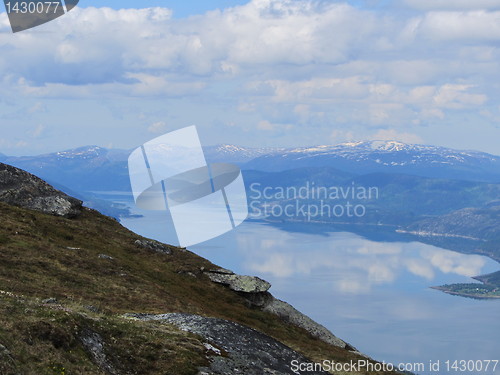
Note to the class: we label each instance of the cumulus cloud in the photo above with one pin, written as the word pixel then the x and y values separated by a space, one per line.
pixel 464 26
pixel 102 45
pixel 456 96
pixel 275 64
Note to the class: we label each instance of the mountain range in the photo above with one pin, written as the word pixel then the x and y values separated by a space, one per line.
pixel 424 190
pixel 386 156
pixel 93 168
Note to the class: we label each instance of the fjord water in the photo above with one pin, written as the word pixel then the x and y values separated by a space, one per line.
pixel 375 294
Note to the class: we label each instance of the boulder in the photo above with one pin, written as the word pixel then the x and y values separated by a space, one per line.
pixel 238 283
pixel 22 189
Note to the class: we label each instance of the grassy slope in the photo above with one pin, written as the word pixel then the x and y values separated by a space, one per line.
pixel 38 260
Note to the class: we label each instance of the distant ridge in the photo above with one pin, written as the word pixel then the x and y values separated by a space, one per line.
pixel 386 156
pixel 94 168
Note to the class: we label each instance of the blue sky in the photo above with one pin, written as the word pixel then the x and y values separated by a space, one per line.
pixel 180 8
pixel 259 73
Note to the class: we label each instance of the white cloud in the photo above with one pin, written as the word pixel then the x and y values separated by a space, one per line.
pixel 157 127
pixel 466 26
pixel 356 268
pixel 420 268
pixel 272 65
pixel 280 265
pixel 453 4
pixel 451 262
pixel 456 96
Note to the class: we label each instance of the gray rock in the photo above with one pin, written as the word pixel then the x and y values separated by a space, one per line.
pixel 240 283
pixel 255 291
pixel 248 351
pixel 4 350
pixel 288 313
pixel 154 246
pixel 104 256
pixel 22 189
pixel 212 348
pixel 94 345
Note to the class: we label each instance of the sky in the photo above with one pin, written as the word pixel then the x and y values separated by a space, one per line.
pixel 260 73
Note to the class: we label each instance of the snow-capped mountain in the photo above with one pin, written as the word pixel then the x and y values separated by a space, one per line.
pixel 88 152
pixel 81 169
pixel 93 168
pixel 225 153
pixel 386 156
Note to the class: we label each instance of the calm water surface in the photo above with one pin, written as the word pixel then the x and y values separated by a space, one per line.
pixel 373 294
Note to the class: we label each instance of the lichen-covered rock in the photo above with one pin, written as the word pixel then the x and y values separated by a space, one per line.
pixel 248 351
pixel 22 189
pixel 239 283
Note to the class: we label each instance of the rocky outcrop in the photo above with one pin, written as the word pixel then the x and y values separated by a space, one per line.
pixel 238 283
pixel 290 314
pixel 235 349
pixel 255 291
pixel 22 189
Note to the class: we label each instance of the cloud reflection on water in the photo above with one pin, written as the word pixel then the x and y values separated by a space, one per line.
pixel 354 265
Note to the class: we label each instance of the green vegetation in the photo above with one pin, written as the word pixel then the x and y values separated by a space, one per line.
pixel 491 278
pixel 402 199
pixel 490 287
pixel 471 290
pixel 45 339
pixel 43 257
